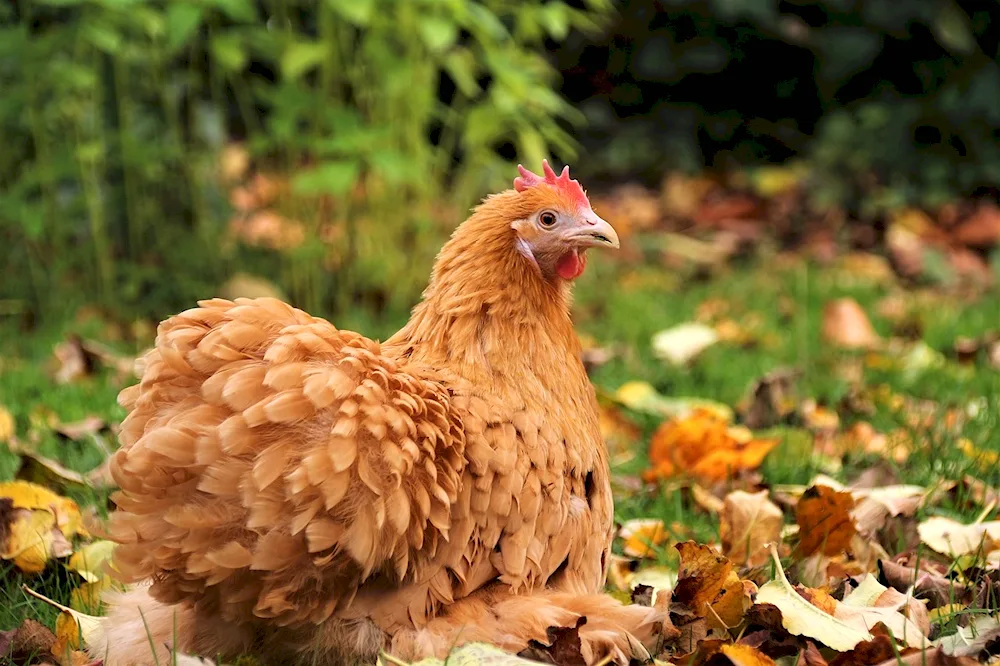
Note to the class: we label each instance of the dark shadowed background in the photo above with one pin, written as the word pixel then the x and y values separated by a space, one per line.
pixel 153 150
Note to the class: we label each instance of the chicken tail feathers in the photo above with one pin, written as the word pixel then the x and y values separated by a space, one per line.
pixel 607 628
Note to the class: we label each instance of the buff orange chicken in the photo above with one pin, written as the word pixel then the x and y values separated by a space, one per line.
pixel 309 495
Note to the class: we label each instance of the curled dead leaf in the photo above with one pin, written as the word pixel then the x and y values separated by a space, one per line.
pixel 748 523
pixel 642 536
pixel 825 522
pixel 846 325
pixel 705 446
pixel 708 586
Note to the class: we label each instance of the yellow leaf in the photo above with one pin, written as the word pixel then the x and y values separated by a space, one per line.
pixel 87 597
pixel 67 635
pixel 32 539
pixel 88 624
pixel 25 495
pixel 89 560
pixel 642 536
pixel 6 424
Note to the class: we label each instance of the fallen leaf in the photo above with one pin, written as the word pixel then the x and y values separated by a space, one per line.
pixel 88 625
pixel 706 500
pixel 25 495
pixel 683 194
pixel 470 654
pixel 771 399
pixel 658 579
pixel 824 518
pixel 67 648
pixel 706 447
pixel 872 603
pixel 846 325
pixel 683 343
pixel 90 425
pixel 37 469
pixel 933 657
pixel 31 640
pixel 740 655
pixel 981 229
pixel 642 536
pixel 6 424
pixel 972 640
pixel 925 582
pixel 709 587
pixel 801 618
pixel 89 561
pixel 563 648
pixel 873 507
pixel 73 360
pixel 642 397
pixel 748 523
pixel 952 538
pixel 35 525
pixel 619 433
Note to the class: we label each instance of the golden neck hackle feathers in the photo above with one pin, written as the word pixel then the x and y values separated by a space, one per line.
pixel 488 313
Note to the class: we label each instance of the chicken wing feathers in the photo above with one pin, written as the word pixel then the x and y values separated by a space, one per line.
pixel 271 464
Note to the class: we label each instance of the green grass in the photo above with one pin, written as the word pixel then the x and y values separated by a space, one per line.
pixel 622 304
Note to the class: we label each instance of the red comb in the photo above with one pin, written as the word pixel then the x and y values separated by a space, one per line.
pixel 562 181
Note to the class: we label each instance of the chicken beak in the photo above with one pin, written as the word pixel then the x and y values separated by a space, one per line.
pixel 594 232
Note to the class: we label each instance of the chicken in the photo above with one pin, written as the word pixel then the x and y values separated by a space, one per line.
pixel 313 496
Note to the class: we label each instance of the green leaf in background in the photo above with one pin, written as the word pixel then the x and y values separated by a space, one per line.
pixel 555 17
pixel 228 51
pixel 952 28
pixel 358 12
pixel 300 57
pixel 330 177
pixel 183 20
pixel 102 36
pixel 394 166
pixel 461 67
pixel 438 33
pixel 244 11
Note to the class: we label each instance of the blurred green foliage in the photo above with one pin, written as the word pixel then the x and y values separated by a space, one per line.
pixel 381 113
pixel 890 101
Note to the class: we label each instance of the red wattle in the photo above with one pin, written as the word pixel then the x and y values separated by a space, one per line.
pixel 570 266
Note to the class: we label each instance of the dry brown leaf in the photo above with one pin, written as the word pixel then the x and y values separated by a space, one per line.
pixel 981 229
pixel 90 425
pixel 682 194
pixel 846 325
pixel 824 518
pixel 933 657
pixel 709 587
pixel 749 522
pixel 563 648
pixel 926 584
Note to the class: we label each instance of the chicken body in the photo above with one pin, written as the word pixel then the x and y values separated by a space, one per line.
pixel 311 495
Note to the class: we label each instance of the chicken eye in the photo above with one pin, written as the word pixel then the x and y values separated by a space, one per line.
pixel 547 219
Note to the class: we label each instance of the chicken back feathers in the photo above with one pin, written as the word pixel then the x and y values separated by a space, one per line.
pixel 277 471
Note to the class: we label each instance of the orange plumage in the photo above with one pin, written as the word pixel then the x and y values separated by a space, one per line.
pixel 306 493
